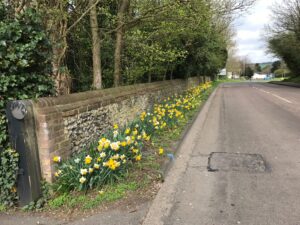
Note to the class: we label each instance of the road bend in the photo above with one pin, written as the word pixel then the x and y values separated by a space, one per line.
pixel 243 118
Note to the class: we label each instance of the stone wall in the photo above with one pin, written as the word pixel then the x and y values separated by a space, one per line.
pixel 68 124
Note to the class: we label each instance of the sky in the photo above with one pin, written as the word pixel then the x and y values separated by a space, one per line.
pixel 250 28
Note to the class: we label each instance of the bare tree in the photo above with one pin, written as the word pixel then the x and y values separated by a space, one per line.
pixel 230 7
pixel 283 35
pixel 234 65
pixel 224 13
pixel 286 18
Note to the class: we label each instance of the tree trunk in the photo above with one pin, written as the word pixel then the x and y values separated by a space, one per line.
pixel 149 78
pixel 119 41
pixel 165 74
pixel 97 76
pixel 59 70
pixel 56 25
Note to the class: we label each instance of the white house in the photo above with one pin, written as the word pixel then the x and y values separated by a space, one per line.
pixel 223 72
pixel 257 76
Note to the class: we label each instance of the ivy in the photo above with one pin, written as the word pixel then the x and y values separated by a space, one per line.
pixel 8 174
pixel 24 73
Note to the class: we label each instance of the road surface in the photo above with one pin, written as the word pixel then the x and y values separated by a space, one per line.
pixel 250 118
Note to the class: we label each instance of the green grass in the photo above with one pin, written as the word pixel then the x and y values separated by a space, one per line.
pixel 231 80
pixel 277 79
pixel 59 201
pixel 2 208
pixel 78 200
pixel 110 193
pixel 293 79
pixel 149 162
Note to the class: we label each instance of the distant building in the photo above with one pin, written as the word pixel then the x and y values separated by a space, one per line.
pixel 223 72
pixel 236 76
pixel 257 76
pixel 229 75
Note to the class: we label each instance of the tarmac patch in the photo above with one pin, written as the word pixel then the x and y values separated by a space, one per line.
pixel 240 162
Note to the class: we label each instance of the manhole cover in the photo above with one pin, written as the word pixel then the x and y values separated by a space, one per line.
pixel 223 161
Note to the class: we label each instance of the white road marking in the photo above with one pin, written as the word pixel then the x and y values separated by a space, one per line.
pixel 275 95
pixel 264 91
pixel 283 99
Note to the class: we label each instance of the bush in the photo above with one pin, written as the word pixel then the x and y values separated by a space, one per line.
pixel 107 160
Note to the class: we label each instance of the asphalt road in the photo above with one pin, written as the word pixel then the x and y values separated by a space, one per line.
pixel 250 118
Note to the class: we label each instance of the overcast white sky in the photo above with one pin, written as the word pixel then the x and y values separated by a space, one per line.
pixel 250 29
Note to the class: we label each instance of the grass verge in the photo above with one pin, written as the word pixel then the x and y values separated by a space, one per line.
pixel 293 80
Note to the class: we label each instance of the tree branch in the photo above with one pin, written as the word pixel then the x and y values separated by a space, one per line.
pixel 82 16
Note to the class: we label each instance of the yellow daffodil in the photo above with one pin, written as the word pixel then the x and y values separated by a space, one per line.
pixel 143 115
pixel 88 159
pixel 135 150
pixel 138 157
pixel 112 164
pixel 160 151
pixel 58 172
pixel 135 132
pixel 116 126
pixel 83 171
pixel 107 144
pixel 100 148
pixel 144 135
pixel 116 156
pixel 102 140
pixel 115 146
pixel 56 159
pixel 127 131
pixel 115 133
pixel 96 166
pixel 82 180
